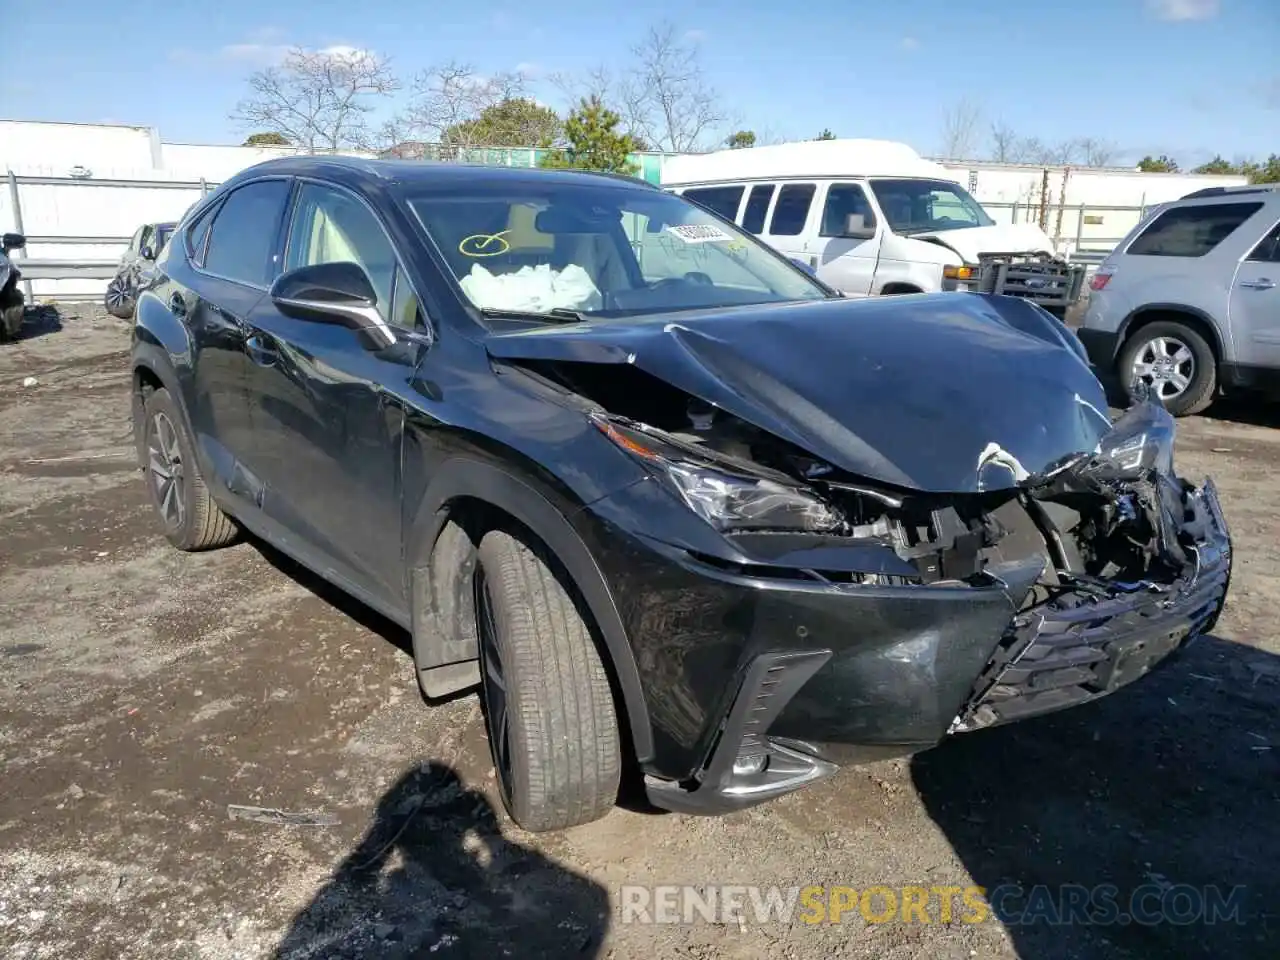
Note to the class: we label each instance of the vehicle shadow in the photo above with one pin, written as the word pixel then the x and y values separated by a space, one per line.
pixel 1253 411
pixel 433 873
pixel 336 597
pixel 1168 791
pixel 40 321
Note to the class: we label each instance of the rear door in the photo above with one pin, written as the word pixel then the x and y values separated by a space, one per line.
pixel 1255 303
pixel 845 263
pixel 230 253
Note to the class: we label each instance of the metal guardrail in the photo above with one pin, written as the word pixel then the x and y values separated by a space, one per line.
pixel 55 269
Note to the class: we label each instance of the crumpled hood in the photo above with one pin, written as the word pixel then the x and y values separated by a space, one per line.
pixel 970 242
pixel 943 392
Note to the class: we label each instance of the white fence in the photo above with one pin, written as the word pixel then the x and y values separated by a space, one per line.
pixel 76 229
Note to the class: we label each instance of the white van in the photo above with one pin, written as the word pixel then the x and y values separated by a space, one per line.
pixel 874 217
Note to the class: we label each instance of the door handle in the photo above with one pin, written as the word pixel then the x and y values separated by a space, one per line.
pixel 259 352
pixel 178 306
pixel 1262 283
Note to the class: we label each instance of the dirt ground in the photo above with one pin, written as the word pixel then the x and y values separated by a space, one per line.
pixel 142 691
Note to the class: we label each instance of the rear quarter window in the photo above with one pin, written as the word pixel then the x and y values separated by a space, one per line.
pixel 721 200
pixel 1190 231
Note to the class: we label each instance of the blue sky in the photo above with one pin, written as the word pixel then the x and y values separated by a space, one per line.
pixel 1184 77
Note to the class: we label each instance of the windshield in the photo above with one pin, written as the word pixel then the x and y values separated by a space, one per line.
pixel 927 206
pixel 607 249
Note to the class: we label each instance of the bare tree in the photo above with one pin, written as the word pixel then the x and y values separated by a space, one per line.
pixel 318 99
pixel 596 83
pixel 960 129
pixel 449 96
pixel 665 97
pixel 1096 153
pixel 1005 143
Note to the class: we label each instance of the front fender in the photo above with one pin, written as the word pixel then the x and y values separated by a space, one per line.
pixel 547 514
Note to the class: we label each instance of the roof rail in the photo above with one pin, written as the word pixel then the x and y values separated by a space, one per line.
pixel 1219 191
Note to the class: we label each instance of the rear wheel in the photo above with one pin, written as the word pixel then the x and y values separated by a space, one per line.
pixel 119 299
pixel 191 520
pixel 1175 363
pixel 548 705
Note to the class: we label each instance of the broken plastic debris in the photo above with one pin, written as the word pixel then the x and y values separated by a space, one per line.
pixel 283 818
pixel 31 382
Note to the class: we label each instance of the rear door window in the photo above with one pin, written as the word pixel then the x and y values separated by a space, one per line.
pixel 757 207
pixel 792 209
pixel 242 240
pixel 1191 231
pixel 721 200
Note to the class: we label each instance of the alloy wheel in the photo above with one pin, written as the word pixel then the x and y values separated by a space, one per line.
pixel 164 463
pixel 493 685
pixel 1166 365
pixel 117 296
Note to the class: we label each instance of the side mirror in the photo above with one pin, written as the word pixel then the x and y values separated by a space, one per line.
pixel 336 293
pixel 12 241
pixel 856 228
pixel 147 253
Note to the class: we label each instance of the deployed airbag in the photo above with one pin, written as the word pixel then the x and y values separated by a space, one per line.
pixel 537 289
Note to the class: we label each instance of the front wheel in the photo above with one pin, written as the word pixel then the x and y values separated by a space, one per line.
pixel 1175 363
pixel 548 704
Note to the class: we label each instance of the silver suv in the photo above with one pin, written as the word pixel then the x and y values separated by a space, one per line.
pixel 1189 301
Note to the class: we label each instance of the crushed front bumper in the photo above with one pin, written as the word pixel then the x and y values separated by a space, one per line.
pixel 847 673
pixel 1097 637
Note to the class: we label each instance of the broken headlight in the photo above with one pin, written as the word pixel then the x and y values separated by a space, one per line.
pixel 1141 440
pixel 729 494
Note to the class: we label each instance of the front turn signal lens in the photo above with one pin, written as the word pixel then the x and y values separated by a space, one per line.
pixel 957 273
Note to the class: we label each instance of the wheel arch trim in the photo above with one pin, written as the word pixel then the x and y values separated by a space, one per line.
pixel 535 507
pixel 1216 343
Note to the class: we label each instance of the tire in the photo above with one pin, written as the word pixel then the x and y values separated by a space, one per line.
pixel 1148 342
pixel 190 518
pixel 11 322
pixel 557 755
pixel 119 299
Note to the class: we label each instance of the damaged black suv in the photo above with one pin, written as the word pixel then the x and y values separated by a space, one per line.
pixel 669 502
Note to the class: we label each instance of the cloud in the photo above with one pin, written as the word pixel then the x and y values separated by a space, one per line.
pixel 910 43
pixel 695 36
pixel 1183 9
pixel 263 47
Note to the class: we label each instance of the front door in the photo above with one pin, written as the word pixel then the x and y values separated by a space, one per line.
pixel 328 412
pixel 1255 304
pixel 843 262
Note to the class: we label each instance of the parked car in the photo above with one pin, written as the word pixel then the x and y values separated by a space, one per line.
pixel 12 303
pixel 874 217
pixel 135 268
pixel 663 497
pixel 1188 304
